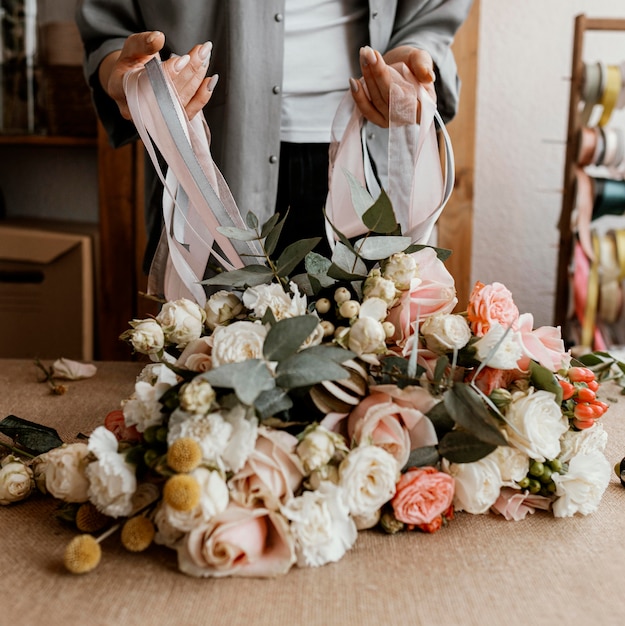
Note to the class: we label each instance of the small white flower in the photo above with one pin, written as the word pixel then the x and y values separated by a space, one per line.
pixel 367 476
pixel 197 396
pixel 238 342
pixel 376 286
pixel 16 480
pixel 367 336
pixel 272 296
pixel 182 321
pixel 317 448
pixel 477 484
pixel 401 268
pixel 222 307
pixel 580 489
pixel 146 336
pixel 321 526
pixel 513 464
pixel 63 472
pixel 445 332
pixel 499 349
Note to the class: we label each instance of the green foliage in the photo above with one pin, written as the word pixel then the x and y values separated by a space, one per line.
pixel 31 437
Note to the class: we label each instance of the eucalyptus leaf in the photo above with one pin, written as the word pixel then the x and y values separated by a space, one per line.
pixel 378 248
pixel 232 232
pixel 380 217
pixel 422 457
pixel 287 336
pixel 440 418
pixel 269 317
pixel 442 363
pixel 295 254
pixel 442 253
pixel 340 236
pixel 269 225
pixel 248 379
pixel 251 220
pixel 334 353
pixel 346 262
pixel 542 378
pixel 317 267
pixel 468 410
pixel 460 446
pixel 303 369
pixel 361 198
pixel 273 236
pixel 33 438
pixel 339 273
pixel 248 276
pixel 269 403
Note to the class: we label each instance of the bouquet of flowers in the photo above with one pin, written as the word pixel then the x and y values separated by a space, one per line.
pixel 285 415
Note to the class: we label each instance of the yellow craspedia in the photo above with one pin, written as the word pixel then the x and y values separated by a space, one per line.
pixel 89 519
pixel 82 554
pixel 184 455
pixel 137 533
pixel 182 492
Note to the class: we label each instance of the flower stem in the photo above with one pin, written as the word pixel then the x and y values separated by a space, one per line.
pixel 17 450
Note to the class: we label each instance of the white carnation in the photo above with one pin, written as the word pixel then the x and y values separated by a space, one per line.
pixel 272 296
pixel 222 307
pixel 445 332
pixel 477 484
pixel 321 526
pixel 499 349
pixel 182 321
pixel 573 442
pixel 238 342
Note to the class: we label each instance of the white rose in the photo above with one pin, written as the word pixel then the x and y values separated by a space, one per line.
pixel 446 332
pixel 222 307
pixel 593 439
pixel 512 463
pixel 580 489
pixel 259 299
pixel 499 348
pixel 321 526
pixel 112 481
pixel 63 469
pixel 16 480
pixel 211 432
pixel 401 268
pixel 242 438
pixel 326 473
pixel 317 448
pixel 146 336
pixel 182 321
pixel 376 286
pixel 197 396
pixel 238 342
pixel 167 534
pixel 477 484
pixel 534 424
pixel 375 308
pixel 367 336
pixel 143 408
pixel 367 476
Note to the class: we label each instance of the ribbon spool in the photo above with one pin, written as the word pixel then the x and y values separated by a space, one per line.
pixel 610 94
pixel 609 197
pixel 592 87
pixel 610 292
pixel 590 333
pixel 587 142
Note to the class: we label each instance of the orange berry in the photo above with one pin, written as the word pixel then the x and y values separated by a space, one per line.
pixel 568 389
pixel 584 394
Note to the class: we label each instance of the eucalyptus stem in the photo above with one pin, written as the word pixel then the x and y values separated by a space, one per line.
pixel 17 450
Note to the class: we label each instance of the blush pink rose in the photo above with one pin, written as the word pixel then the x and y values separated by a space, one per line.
pixel 515 505
pixel 392 423
pixel 197 355
pixel 488 304
pixel 544 345
pixel 431 293
pixel 272 473
pixel 116 423
pixel 422 495
pixel 239 541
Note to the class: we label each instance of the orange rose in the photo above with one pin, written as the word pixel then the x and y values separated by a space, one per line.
pixel 422 495
pixel 116 423
pixel 488 304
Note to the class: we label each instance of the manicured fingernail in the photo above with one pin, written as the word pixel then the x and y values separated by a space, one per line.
pixel 153 35
pixel 368 56
pixel 353 83
pixel 432 75
pixel 205 52
pixel 212 82
pixel 181 62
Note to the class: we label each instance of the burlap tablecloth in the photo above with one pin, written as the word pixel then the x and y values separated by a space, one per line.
pixel 479 570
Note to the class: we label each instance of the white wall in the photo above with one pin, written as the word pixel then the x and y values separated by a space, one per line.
pixel 525 52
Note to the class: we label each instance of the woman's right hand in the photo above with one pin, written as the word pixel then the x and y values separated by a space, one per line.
pixel 187 72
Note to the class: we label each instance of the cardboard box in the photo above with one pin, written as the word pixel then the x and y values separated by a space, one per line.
pixel 46 294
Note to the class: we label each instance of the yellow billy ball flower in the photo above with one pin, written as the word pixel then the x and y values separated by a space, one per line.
pixel 184 455
pixel 82 554
pixel 182 492
pixel 137 533
pixel 89 519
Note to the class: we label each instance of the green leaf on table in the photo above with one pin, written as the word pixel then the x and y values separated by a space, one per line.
pixel 460 446
pixel 422 457
pixel 32 437
pixel 248 276
pixel 295 254
pixel 467 409
pixel 380 217
pixel 287 336
pixel 272 401
pixel 248 379
pixel 251 220
pixel 239 234
pixel 378 248
pixel 303 369
pixel 542 378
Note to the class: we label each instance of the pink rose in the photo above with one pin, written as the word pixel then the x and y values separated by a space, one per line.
pixel 488 304
pixel 272 472
pixel 423 494
pixel 116 423
pixel 432 292
pixel 197 355
pixel 515 505
pixel 241 542
pixel 393 423
pixel 544 345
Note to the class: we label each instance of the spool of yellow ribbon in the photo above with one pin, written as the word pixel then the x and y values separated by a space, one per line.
pixel 610 93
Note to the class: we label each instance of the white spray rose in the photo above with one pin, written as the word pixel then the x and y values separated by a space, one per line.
pixel 63 472
pixel 112 481
pixel 401 268
pixel 272 296
pixel 16 480
pixel 145 336
pixel 535 424
pixel 321 526
pixel 581 488
pixel 182 321
pixel 197 396
pixel 222 307
pixel 513 464
pixel 326 473
pixel 317 448
pixel 367 336
pixel 477 484
pixel 582 442
pixel 238 342
pixel 367 476
pixel 445 332
pixel 376 286
pixel 505 346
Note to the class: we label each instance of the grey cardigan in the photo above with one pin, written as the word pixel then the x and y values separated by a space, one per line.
pixel 247 35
